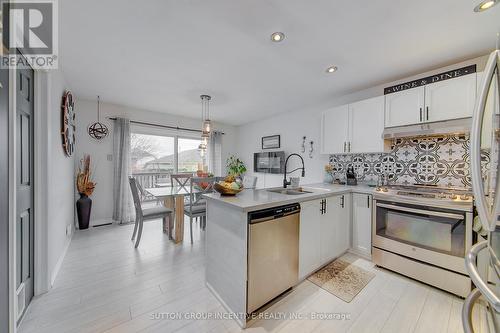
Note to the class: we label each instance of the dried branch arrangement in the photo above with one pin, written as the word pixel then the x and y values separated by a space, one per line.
pixel 84 182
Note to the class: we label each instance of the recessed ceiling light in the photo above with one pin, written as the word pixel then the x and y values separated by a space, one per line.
pixel 331 69
pixel 485 4
pixel 277 36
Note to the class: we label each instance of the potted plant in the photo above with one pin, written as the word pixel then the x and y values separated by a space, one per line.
pixel 235 167
pixel 85 187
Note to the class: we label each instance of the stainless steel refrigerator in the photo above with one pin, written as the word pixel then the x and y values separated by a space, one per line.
pixel 483 260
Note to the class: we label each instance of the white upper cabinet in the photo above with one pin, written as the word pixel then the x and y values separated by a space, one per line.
pixel 405 107
pixel 444 100
pixel 353 128
pixel 366 120
pixel 450 99
pixel 334 130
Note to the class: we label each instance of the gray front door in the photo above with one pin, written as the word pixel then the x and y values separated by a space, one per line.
pixel 25 181
pixel 4 200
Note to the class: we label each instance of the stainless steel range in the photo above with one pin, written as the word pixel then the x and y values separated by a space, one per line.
pixel 424 232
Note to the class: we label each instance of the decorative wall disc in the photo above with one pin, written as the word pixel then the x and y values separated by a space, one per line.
pixel 68 123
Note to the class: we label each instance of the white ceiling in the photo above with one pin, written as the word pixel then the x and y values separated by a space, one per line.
pixel 161 55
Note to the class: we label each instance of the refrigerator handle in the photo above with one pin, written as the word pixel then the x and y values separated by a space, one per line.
pixel 470 265
pixel 467 310
pixel 487 216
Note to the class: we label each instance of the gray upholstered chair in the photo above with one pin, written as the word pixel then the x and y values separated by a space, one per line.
pixel 148 214
pixel 249 182
pixel 197 206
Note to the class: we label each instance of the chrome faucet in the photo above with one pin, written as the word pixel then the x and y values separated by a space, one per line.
pixel 286 182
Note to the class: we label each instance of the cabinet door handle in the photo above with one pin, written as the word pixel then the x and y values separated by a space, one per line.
pixel 420 114
pixel 325 204
pixel 342 202
pixel 345 145
pixel 349 146
pixel 322 208
pixel 368 201
pixel 427 112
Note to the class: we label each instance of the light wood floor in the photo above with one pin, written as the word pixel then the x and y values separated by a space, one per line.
pixel 105 285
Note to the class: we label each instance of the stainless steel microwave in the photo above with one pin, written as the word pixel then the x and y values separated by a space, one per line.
pixel 269 162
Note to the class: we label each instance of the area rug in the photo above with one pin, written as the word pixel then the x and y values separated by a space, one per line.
pixel 342 279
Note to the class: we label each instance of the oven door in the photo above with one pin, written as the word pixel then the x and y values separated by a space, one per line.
pixel 439 237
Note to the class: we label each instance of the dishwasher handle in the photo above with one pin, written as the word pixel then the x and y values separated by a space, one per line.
pixel 273 213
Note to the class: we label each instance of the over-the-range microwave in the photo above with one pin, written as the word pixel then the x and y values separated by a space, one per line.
pixel 269 162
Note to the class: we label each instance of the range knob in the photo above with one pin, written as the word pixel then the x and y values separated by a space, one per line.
pixel 442 195
pixel 464 197
pixel 453 196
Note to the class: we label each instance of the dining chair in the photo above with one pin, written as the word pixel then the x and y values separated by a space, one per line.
pixel 180 179
pixel 148 214
pixel 145 195
pixel 197 204
pixel 249 182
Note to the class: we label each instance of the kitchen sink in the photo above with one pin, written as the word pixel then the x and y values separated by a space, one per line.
pixel 289 191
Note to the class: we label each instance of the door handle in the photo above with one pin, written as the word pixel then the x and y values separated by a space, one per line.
pixel 368 201
pixel 470 265
pixel 342 202
pixel 420 114
pixel 427 112
pixel 345 145
pixel 467 310
pixel 421 211
pixel 349 146
pixel 321 209
pixel 487 216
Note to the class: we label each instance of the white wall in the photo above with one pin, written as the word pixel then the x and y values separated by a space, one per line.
pixel 293 126
pixel 60 174
pixel 86 113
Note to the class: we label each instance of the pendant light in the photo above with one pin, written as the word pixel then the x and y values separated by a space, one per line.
pixel 98 130
pixel 206 126
pixel 205 115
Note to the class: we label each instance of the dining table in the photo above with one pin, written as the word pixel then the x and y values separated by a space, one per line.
pixel 173 198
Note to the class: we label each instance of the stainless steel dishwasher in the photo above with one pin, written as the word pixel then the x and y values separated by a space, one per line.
pixel 273 253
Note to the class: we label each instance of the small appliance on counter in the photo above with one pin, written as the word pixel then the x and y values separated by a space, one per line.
pixel 350 176
pixel 269 162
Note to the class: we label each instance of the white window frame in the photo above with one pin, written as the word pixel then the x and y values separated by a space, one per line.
pixel 176 134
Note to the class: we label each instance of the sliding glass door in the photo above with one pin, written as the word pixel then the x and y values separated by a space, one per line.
pixel 152 158
pixel 189 157
pixel 155 155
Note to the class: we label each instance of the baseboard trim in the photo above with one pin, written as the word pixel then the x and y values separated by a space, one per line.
pixel 54 273
pixel 225 306
pixel 360 254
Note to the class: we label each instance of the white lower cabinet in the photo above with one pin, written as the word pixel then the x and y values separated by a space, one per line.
pixel 362 224
pixel 324 231
pixel 343 223
pixel 309 247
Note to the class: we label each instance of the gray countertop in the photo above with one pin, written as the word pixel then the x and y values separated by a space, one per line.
pixel 250 200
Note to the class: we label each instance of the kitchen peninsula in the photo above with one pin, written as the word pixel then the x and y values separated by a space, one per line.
pixel 238 242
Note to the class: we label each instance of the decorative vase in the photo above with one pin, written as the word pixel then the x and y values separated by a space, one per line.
pixel 328 178
pixel 83 208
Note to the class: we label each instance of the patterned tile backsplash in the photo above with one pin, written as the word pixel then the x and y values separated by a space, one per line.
pixel 437 160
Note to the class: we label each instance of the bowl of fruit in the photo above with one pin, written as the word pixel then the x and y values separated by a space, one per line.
pixel 229 186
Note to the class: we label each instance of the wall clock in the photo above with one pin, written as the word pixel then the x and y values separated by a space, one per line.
pixel 68 123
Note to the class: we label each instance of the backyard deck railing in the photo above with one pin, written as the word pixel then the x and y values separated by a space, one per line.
pixel 152 179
